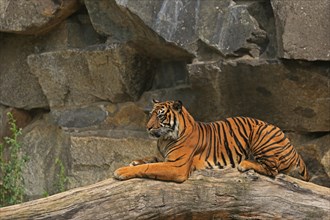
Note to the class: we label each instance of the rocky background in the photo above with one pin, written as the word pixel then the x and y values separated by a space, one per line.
pixel 79 76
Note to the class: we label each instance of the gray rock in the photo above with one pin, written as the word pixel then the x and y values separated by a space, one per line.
pixel 34 17
pixel 262 11
pixel 222 25
pixel 95 158
pixel 87 156
pixel 79 117
pixel 183 93
pixel 126 116
pixel 43 143
pixel 18 87
pixel 303 29
pixel 74 32
pixel 289 95
pixel 120 25
pixel 78 77
pixel 314 149
pixel 101 116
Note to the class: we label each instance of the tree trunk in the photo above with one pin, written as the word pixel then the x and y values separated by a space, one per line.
pixel 219 194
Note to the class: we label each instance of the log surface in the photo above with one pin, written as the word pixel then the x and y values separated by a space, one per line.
pixel 217 194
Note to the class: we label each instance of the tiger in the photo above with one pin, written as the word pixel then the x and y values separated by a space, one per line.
pixel 185 145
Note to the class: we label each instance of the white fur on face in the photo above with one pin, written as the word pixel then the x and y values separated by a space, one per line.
pixel 173 134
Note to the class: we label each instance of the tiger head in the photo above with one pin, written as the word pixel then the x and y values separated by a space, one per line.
pixel 163 120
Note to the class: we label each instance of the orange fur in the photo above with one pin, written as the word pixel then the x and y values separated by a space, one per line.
pixel 186 145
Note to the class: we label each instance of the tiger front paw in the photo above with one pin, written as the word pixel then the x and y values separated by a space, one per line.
pixel 124 173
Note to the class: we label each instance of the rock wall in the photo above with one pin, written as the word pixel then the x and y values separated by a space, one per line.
pixel 85 72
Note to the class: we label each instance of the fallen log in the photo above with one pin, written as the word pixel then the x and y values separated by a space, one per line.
pixel 217 194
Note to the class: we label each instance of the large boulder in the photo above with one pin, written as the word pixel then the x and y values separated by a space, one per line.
pixel 103 115
pixel 18 87
pixel 80 117
pixel 315 151
pixel 126 116
pixel 183 93
pixel 79 77
pixel 302 29
pixel 289 95
pixel 59 158
pixel 223 25
pixel 34 17
pixel 95 158
pixel 74 32
pixel 44 143
pixel 120 25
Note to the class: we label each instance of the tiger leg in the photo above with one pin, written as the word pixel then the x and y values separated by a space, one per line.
pixel 261 168
pixel 168 171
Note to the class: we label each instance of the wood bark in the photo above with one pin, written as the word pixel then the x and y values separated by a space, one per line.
pixel 216 194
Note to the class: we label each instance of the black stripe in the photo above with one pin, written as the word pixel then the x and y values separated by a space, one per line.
pixel 223 159
pixel 295 154
pixel 219 134
pixel 219 165
pixel 174 148
pixel 247 122
pixel 209 165
pixel 240 146
pixel 244 136
pixel 264 146
pixel 287 154
pixel 197 147
pixel 239 152
pixel 174 123
pixel 259 136
pixel 229 153
pixel 290 161
pixel 181 165
pixel 209 144
pixel 184 124
pixel 257 145
pixel 178 158
pixel 240 126
pixel 202 135
pixel 262 153
pixel 215 147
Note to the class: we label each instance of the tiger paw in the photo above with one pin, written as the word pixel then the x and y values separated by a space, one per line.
pixel 124 173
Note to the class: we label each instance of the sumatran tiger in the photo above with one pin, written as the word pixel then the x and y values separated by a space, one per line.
pixel 186 145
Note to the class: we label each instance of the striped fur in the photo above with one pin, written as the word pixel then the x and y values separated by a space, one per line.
pixel 186 145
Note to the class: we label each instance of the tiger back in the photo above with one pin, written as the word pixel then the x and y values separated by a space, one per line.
pixel 186 145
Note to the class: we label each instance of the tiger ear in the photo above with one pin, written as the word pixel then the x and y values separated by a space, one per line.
pixel 177 105
pixel 155 101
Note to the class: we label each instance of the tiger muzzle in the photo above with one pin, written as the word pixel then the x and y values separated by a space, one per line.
pixel 155 133
pixel 158 132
